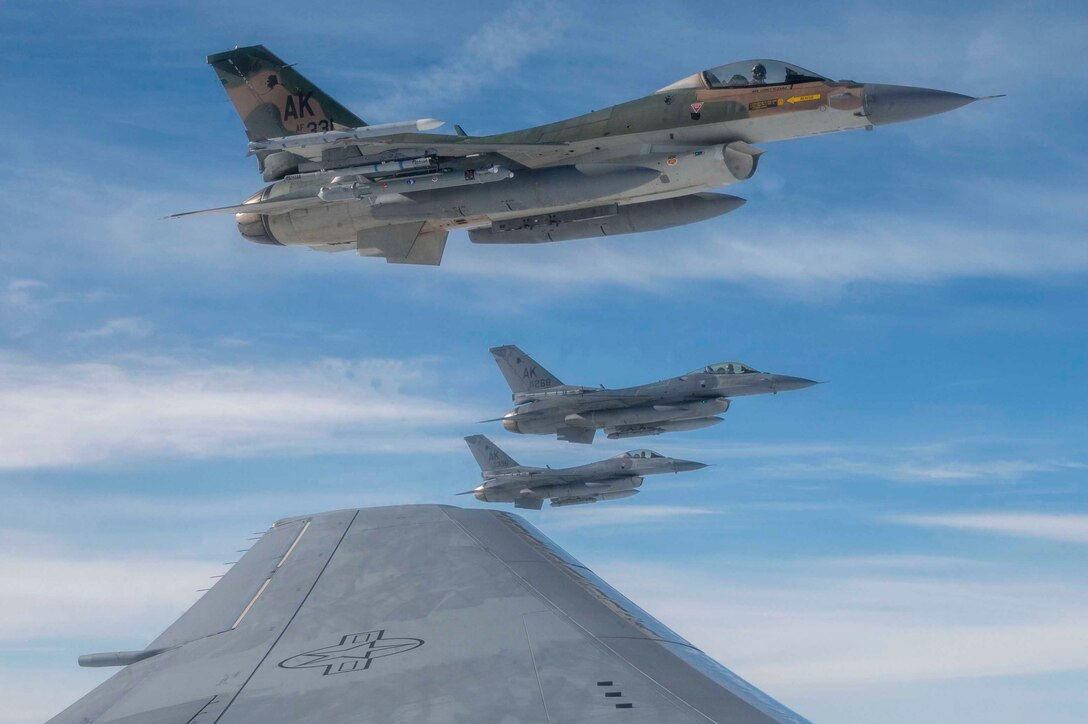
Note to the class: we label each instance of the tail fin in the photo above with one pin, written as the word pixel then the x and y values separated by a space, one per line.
pixel 522 372
pixel 488 455
pixel 273 99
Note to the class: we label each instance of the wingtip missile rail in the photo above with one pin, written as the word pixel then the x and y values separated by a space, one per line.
pixel 352 135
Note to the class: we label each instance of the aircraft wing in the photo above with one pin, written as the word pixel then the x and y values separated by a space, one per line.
pixel 444 146
pixel 418 614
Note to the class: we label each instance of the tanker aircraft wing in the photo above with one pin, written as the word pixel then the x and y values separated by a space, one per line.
pixel 415 614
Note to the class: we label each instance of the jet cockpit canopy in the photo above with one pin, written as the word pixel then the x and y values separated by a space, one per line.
pixel 758 73
pixel 727 368
pixel 644 454
pixel 748 74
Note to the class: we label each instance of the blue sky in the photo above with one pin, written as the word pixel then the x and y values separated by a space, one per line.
pixel 904 544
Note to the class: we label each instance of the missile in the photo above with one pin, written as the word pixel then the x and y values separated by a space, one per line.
pixel 388 190
pixel 370 169
pixel 330 138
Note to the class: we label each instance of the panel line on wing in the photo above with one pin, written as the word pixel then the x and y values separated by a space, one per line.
pixel 536 669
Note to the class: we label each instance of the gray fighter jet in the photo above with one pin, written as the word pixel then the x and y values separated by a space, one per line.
pixel 505 481
pixel 546 406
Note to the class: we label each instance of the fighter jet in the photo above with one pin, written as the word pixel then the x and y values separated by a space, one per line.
pixel 505 481
pixel 388 190
pixel 545 406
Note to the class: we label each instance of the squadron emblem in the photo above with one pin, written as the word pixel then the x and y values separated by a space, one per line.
pixel 353 653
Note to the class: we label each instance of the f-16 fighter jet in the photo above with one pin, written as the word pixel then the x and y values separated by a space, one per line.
pixel 546 406
pixel 388 190
pixel 505 481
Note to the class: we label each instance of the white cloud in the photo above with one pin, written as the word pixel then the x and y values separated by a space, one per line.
pixel 833 630
pixel 486 57
pixel 32 695
pixel 908 464
pixel 1056 527
pixel 70 414
pixel 609 515
pixel 58 593
pixel 20 294
pixel 839 250
pixel 966 461
pixel 118 327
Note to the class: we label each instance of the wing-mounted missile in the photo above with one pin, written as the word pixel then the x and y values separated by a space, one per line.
pixel 310 145
pixel 608 220
pixel 343 188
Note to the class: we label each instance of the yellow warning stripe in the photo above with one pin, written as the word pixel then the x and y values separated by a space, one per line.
pixel 802 99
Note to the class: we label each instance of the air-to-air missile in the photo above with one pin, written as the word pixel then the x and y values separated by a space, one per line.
pixel 546 406
pixel 388 190
pixel 505 481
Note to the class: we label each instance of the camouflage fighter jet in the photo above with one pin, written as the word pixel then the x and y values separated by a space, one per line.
pixel 338 184
pixel 505 481
pixel 546 406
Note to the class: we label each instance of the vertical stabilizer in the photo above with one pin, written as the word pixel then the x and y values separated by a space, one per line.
pixel 522 372
pixel 275 100
pixel 488 455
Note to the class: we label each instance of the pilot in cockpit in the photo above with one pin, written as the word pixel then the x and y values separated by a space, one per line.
pixel 759 74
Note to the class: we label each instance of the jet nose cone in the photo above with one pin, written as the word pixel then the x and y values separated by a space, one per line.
pixel 785 383
pixel 510 424
pixel 683 466
pixel 886 104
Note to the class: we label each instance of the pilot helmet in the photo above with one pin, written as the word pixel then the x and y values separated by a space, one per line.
pixel 759 72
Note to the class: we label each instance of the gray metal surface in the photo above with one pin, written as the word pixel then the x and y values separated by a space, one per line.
pixel 547 406
pixel 419 614
pixel 620 476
